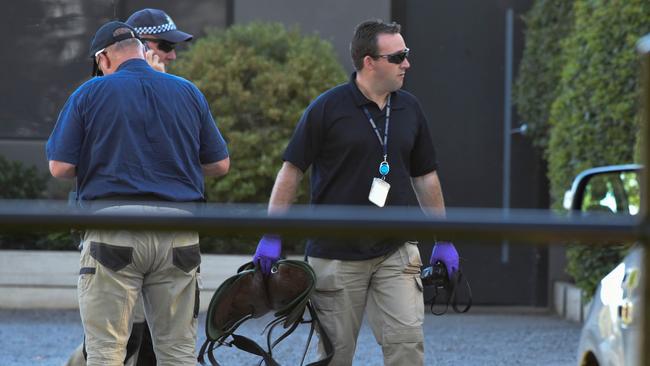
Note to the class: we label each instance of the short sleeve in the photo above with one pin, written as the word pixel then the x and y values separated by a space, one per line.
pixel 423 156
pixel 213 147
pixel 65 141
pixel 307 137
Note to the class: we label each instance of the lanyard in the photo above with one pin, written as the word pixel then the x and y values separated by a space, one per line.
pixel 384 168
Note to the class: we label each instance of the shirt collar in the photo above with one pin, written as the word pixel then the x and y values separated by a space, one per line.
pixel 361 100
pixel 133 64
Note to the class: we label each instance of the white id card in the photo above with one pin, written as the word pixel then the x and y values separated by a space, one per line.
pixel 378 192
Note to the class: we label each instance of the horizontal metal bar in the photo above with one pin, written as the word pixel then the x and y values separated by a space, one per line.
pixel 330 221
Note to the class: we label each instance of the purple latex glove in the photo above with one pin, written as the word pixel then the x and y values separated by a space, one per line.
pixel 267 253
pixel 445 252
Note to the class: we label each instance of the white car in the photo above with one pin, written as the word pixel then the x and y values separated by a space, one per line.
pixel 611 333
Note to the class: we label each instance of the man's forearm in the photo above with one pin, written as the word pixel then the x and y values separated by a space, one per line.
pixel 285 188
pixel 216 169
pixel 429 193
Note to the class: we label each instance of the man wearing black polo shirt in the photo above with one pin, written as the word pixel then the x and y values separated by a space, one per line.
pixel 367 143
pixel 137 135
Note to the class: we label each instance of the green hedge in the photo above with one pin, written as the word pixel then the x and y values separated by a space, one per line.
pixel 595 118
pixel 258 79
pixel 536 87
pixel 592 81
pixel 19 181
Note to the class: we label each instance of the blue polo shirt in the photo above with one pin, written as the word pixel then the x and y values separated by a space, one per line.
pixel 137 132
pixel 335 138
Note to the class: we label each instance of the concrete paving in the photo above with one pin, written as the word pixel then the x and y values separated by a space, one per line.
pixel 484 336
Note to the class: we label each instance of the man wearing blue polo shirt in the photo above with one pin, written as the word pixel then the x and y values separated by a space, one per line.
pixel 137 134
pixel 367 143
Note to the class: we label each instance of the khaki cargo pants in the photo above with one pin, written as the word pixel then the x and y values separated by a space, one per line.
pixel 388 288
pixel 116 266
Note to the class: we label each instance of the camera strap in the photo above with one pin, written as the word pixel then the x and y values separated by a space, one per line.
pixel 450 288
pixel 457 279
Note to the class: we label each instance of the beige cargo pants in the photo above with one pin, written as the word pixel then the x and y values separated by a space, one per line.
pixel 388 288
pixel 116 266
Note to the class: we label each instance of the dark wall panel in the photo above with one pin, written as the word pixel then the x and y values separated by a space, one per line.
pixel 47 45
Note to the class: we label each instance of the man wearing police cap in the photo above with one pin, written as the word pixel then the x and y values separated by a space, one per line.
pixel 157 29
pixel 139 135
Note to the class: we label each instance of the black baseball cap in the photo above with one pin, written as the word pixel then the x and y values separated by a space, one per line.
pixel 157 23
pixel 104 37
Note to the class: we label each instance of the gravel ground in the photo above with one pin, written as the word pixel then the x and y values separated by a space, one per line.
pixel 484 336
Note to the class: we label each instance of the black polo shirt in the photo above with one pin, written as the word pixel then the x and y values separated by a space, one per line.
pixel 336 139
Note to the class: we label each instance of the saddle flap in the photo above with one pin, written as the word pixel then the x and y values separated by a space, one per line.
pixel 289 287
pixel 286 284
pixel 240 297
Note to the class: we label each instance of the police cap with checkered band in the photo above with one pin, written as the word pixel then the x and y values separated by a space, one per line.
pixel 157 23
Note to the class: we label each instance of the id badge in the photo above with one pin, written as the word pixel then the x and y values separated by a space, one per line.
pixel 378 192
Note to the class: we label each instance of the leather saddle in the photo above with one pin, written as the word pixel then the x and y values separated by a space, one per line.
pixel 250 294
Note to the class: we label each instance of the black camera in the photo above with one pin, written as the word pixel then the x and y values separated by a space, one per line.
pixel 437 277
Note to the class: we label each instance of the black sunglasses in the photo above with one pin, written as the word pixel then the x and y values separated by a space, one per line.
pixel 397 57
pixel 163 45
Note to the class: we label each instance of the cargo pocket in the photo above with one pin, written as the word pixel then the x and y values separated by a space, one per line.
pixel 411 257
pixel 187 258
pixel 113 257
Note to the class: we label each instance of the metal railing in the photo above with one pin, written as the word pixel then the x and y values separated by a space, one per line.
pixel 331 221
pixel 515 225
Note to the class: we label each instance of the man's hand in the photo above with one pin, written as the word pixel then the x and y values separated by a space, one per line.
pixel 154 61
pixel 268 252
pixel 445 252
